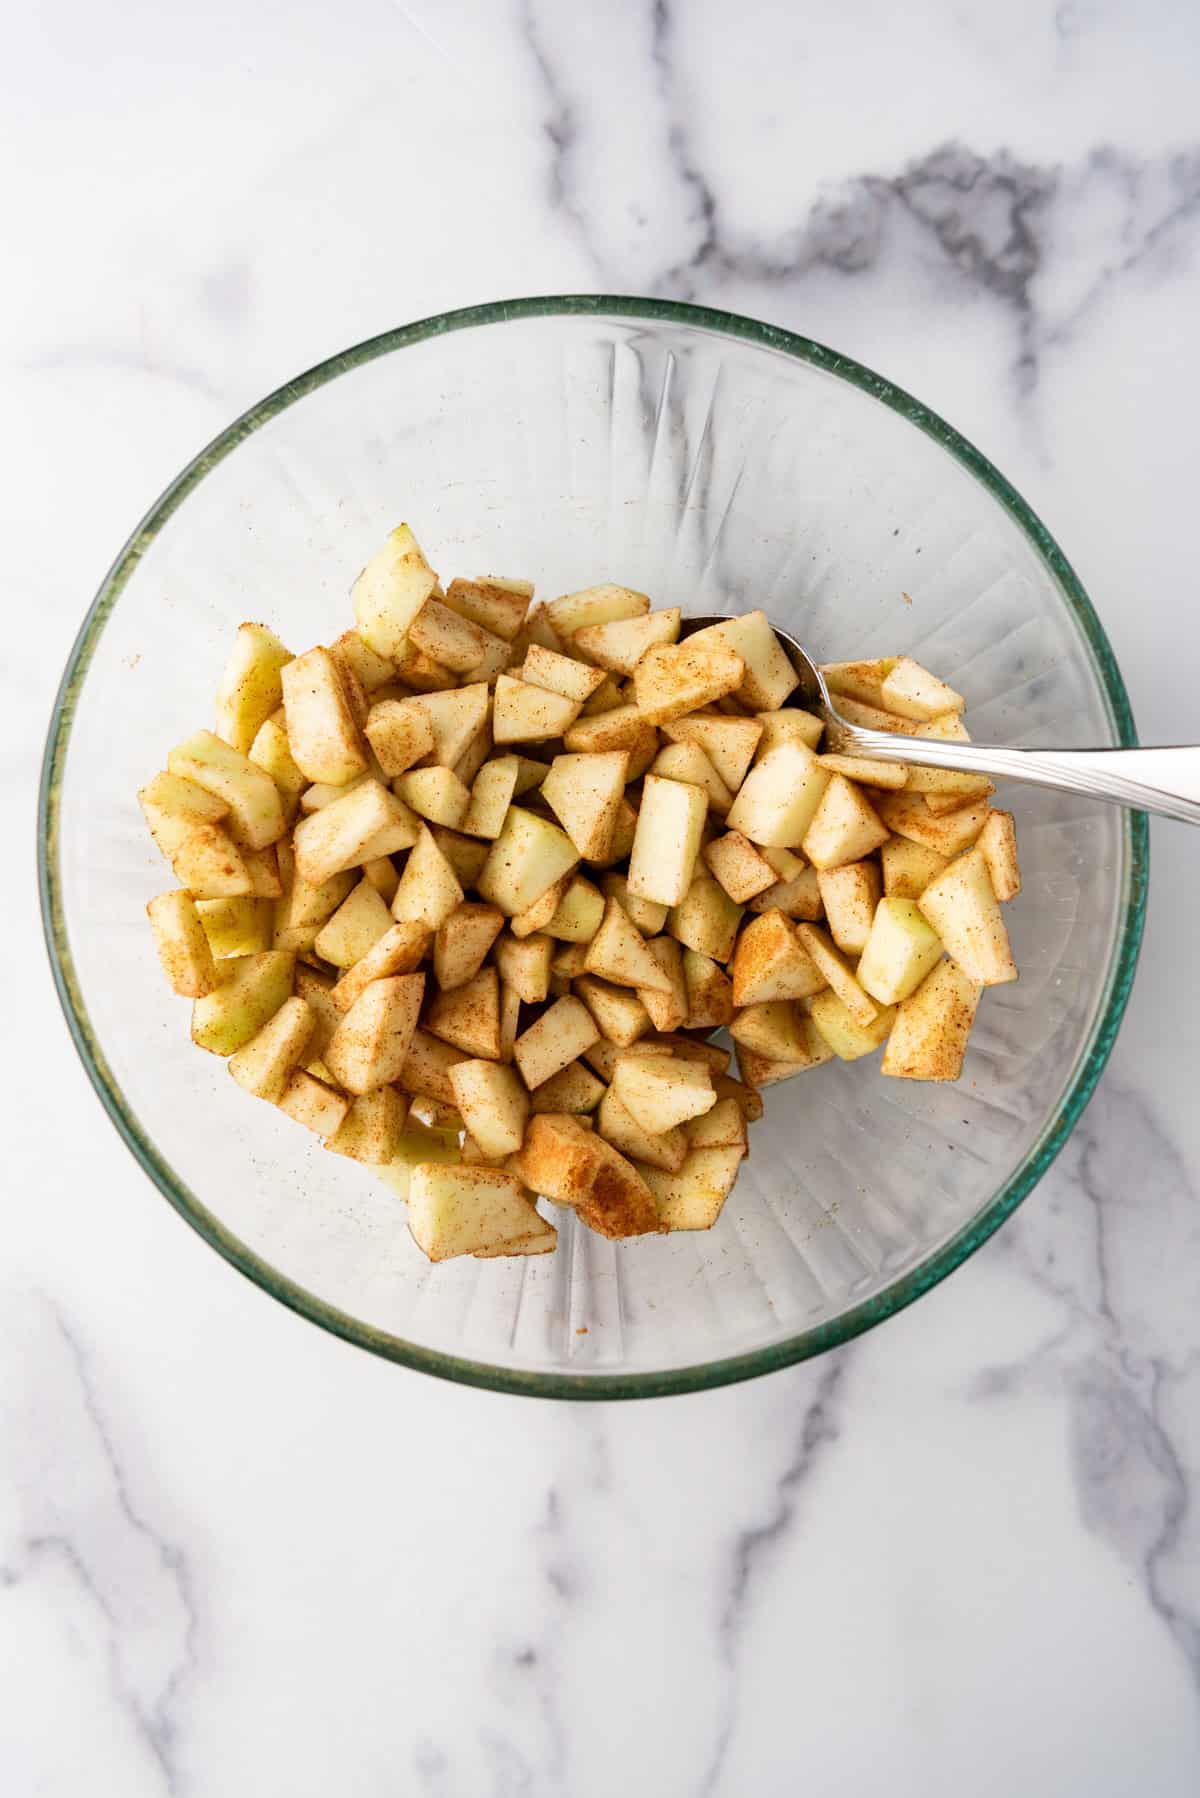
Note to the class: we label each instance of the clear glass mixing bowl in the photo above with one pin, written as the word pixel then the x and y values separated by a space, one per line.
pixel 716 464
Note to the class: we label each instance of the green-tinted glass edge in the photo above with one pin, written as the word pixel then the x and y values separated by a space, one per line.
pixel 590 1386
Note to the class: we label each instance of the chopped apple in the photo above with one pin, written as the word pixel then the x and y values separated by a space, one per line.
pixel 239 926
pixel 209 864
pixel 183 947
pixel 692 1197
pixel 771 963
pixel 929 1035
pixel 381 872
pixel 577 914
pixel 466 1210
pixel 899 952
pixel 846 1036
pixel 620 644
pixel 371 1044
pixel 325 740
pixel 577 1167
pixel 998 846
pixel 729 743
pixel 574 1089
pixel 529 855
pixel 908 867
pixel 390 592
pixel 724 1127
pixel 309 1101
pixel 249 691
pixel 850 894
pixel 266 1063
pixel 606 698
pixel 559 1036
pixel 371 1129
pixel 709 991
pixel 429 889
pixel 738 866
pixel 560 674
pixel 667 840
pixel 912 692
pixel 672 679
pixel 962 907
pixel 317 990
pixel 667 1007
pixel 536 919
pixel 769 676
pixel 426 1070
pixel 775 1028
pixel 436 794
pixel 619 953
pixel 173 807
pixel 585 792
pixel 687 761
pixel 746 1098
pixel 255 807
pixel 304 909
pixel 448 638
pixel 620 1015
pixel 799 897
pixel 357 660
pixel 250 990
pixel 527 714
pixel 858 680
pixel 760 1070
pixel 845 826
pixel 706 918
pixel 792 725
pixel 498 605
pixel 355 927
pixel 594 605
pixel 779 797
pixel 524 964
pixel 400 733
pixel 837 971
pixel 462 943
pixel 457 716
pixel 892 775
pixel 855 711
pixel 399 950
pixel 908 815
pixel 618 1126
pixel 468 1016
pixel 368 822
pixel 622 727
pixel 647 914
pixel 492 792
pixel 493 1103
pixel 466 855
pixel 661 1091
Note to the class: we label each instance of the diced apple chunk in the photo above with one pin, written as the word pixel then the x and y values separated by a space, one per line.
pixel 660 1092
pixel 709 991
pixel 899 952
pixel 667 840
pixel 962 907
pixel 266 1063
pixel 837 971
pixel 584 792
pixel 892 775
pixel 672 679
pixel 456 716
pixel 400 733
pixel 998 844
pixel 850 894
pixel 449 639
pixel 325 740
pixel 497 604
pixel 255 807
pixel 250 691
pixel 667 1007
pixel 729 743
pixel 618 952
pixel 355 927
pixel 371 1129
pixel 368 822
pixel 529 855
pixel 908 815
pixel 209 864
pixel 771 963
pixel 846 1035
pixel 574 1089
pixel 779 797
pixel 492 792
pixel 493 1103
pixel 858 680
pixel 579 912
pixel 463 941
pixel 908 867
pixel 429 890
pixel 465 1210
pixel 620 1015
pixel 792 725
pixel 706 918
pixel 693 1196
pixel 239 926
pixel 739 867
pixel 617 1125
pixel 250 990
pixel 527 714
pixel 390 592
pixel 468 1016
pixel 559 1036
pixel 687 761
pixel 620 644
pixel 173 807
pixel 398 951
pixel 912 692
pixel 426 1070
pixel 183 947
pixel 929 1035
pixel 577 1167
pixel 309 1101
pixel 436 794
pixel 370 1045
pixel 559 674
pixel 845 826
pixel 594 605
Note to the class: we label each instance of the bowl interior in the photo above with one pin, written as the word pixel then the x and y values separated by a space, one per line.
pixel 716 465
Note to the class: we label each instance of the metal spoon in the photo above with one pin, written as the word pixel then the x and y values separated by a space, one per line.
pixel 1165 780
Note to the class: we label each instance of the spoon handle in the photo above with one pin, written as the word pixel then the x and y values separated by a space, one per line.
pixel 1164 780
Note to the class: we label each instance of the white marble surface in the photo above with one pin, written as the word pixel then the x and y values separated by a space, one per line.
pixel 239 1557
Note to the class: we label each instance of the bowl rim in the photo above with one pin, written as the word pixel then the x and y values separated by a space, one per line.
pixel 696 1376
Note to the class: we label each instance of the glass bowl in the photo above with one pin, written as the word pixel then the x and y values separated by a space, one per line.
pixel 717 464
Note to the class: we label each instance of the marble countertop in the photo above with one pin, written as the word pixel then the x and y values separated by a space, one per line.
pixel 963 1555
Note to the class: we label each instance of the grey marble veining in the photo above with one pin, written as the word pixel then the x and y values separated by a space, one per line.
pixel 962 1554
